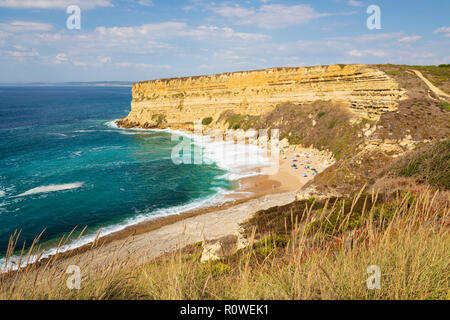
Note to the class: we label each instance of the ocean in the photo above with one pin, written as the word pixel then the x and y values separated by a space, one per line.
pixel 63 164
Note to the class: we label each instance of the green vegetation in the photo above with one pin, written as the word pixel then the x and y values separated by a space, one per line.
pixel 429 164
pixel 445 105
pixel 239 121
pixel 235 121
pixel 207 121
pixel 159 118
pixel 317 124
pixel 323 254
pixel 438 75
pixel 269 244
pixel 394 73
pixel 332 124
pixel 216 269
pixel 178 95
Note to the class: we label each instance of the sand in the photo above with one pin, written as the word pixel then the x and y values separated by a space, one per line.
pixel 153 238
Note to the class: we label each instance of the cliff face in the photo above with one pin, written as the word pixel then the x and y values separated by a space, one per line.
pixel 177 102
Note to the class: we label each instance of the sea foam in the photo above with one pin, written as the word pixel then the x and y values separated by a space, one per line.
pixel 50 188
pixel 140 217
pixel 239 160
pixel 228 156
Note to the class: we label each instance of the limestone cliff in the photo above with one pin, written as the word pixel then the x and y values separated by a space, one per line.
pixel 178 102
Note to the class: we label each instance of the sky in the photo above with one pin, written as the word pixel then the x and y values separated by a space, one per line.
pixel 125 40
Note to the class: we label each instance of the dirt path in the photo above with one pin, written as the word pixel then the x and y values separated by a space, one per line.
pixel 433 88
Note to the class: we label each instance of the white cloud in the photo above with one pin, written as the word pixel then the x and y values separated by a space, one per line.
pixel 355 3
pixel 23 52
pixel 227 55
pixel 204 32
pixel 369 52
pixel 17 26
pixel 270 16
pixel 105 60
pixel 53 4
pixel 91 61
pixel 355 53
pixel 372 37
pixel 77 63
pixel 410 39
pixel 444 30
pixel 167 30
pixel 141 65
pixel 146 3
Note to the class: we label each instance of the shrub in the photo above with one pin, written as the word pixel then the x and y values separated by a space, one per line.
pixel 159 118
pixel 445 105
pixel 207 121
pixel 430 164
pixel 268 244
pixel 216 269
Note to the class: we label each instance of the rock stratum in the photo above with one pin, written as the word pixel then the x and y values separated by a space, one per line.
pixel 178 102
pixel 365 116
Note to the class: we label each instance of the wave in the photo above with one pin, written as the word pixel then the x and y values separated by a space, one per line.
pixel 50 188
pixel 139 218
pixel 92 130
pixel 239 160
pixel 2 193
pixel 226 155
pixel 112 124
pixel 57 134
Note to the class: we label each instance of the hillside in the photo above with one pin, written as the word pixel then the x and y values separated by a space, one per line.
pixel 385 201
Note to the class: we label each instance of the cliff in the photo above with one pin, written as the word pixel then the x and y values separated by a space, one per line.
pixel 176 103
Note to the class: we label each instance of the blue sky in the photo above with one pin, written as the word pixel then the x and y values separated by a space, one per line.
pixel 147 39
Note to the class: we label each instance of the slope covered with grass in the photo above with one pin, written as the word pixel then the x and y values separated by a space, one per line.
pixel 317 250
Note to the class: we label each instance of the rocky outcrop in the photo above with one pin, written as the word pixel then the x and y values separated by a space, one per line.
pixel 178 102
pixel 222 247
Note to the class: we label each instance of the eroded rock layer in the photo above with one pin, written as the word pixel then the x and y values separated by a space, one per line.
pixel 178 102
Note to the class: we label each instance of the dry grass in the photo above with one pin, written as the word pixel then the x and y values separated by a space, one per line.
pixel 408 238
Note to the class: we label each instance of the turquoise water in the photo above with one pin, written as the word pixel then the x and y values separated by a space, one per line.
pixel 62 165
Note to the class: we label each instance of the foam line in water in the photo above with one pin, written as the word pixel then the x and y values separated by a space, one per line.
pixel 239 160
pixel 141 217
pixel 50 188
pixel 2 193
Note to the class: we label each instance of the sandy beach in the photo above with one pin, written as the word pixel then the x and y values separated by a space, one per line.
pixel 152 238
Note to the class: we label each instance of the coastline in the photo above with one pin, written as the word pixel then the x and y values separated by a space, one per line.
pixel 272 189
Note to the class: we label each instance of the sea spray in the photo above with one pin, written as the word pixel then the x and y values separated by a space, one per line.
pixel 50 188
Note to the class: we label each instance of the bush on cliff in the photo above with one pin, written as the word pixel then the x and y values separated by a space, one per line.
pixel 429 164
pixel 207 121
